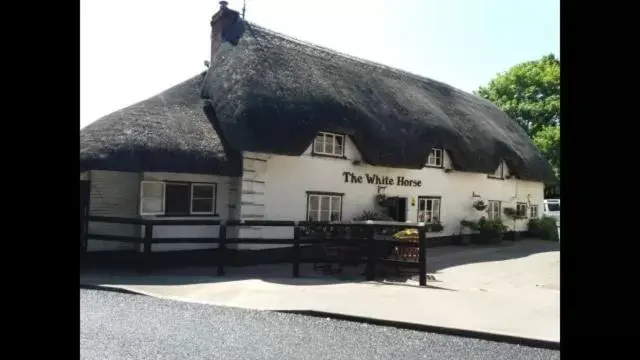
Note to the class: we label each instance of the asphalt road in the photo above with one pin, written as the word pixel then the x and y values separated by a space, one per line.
pixel 121 326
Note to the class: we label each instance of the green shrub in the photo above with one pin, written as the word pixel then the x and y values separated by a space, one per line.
pixel 491 231
pixel 372 215
pixel 545 228
pixel 471 225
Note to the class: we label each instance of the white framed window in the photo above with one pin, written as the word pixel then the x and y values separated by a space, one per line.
pixel 328 144
pixel 151 198
pixel 434 159
pixel 499 173
pixel 177 198
pixel 324 207
pixel 521 208
pixel 429 209
pixel 533 211
pixel 494 210
pixel 203 198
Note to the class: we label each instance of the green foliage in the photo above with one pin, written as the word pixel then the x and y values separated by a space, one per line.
pixel 491 231
pixel 545 228
pixel 529 93
pixel 471 225
pixel 514 213
pixel 548 142
pixel 493 226
pixel 372 215
pixel 480 205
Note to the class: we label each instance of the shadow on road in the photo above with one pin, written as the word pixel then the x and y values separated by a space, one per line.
pixel 450 256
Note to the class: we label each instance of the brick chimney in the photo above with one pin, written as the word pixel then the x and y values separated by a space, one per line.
pixel 226 25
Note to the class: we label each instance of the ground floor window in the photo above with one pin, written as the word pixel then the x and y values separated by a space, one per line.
pixel 533 211
pixel 521 208
pixel 493 212
pixel 177 198
pixel 429 209
pixel 324 206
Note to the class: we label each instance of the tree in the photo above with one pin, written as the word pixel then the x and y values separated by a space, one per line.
pixel 548 142
pixel 529 93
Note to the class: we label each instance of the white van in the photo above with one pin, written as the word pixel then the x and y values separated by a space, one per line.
pixel 552 209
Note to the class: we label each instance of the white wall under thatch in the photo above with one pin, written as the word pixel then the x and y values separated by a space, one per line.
pixel 285 180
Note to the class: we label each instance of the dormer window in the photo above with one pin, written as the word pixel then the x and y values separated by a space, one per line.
pixel 499 173
pixel 329 144
pixel 435 158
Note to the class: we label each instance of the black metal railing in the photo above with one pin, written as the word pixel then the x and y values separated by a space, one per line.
pixel 361 234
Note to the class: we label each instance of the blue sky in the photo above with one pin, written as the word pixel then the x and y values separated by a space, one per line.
pixel 133 49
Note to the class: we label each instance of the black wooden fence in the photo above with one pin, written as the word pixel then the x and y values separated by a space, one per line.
pixel 361 234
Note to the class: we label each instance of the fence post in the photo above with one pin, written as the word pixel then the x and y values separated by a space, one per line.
pixel 370 243
pixel 222 247
pixel 84 237
pixel 148 237
pixel 296 250
pixel 422 257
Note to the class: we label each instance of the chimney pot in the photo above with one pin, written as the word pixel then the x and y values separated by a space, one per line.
pixel 223 4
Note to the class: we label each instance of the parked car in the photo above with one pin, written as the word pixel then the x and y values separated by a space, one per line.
pixel 552 209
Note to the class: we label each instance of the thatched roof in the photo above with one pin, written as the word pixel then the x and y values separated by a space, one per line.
pixel 272 94
pixel 167 132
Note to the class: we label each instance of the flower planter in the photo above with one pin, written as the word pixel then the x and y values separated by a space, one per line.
pixel 486 237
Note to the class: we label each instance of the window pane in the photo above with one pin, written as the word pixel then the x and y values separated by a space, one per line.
pixel 152 189
pixel 335 216
pixel 338 145
pixel 328 147
pixel 436 210
pixel 421 204
pixel 313 202
pixel 203 191
pixel 177 199
pixel 335 203
pixel 318 144
pixel 151 205
pixel 324 215
pixel 202 205
pixel 324 203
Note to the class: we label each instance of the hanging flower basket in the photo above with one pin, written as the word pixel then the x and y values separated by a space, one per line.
pixel 480 205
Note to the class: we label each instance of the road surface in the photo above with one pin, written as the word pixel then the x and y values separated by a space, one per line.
pixel 117 326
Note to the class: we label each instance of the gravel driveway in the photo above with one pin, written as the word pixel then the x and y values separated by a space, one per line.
pixel 120 326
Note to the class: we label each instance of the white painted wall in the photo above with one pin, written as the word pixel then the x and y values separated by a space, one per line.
pixel 287 178
pixel 113 193
pixel 190 231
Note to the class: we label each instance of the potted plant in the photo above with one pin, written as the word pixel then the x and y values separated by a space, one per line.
pixel 435 227
pixel 491 231
pixel 469 228
pixel 480 205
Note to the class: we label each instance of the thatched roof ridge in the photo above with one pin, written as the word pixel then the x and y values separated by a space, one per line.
pixel 167 132
pixel 272 93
